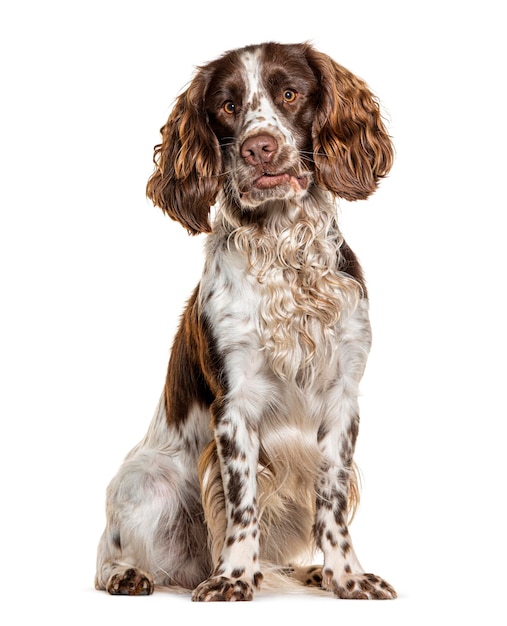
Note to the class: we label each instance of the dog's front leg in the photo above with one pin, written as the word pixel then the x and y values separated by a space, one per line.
pixel 342 572
pixel 236 573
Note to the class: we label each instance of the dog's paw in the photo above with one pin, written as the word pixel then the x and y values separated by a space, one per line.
pixel 130 582
pixel 361 587
pixel 222 589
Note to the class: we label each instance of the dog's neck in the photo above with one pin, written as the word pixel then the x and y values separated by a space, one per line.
pixel 273 216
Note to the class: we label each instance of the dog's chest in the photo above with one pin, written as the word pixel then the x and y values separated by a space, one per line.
pixel 230 300
pixel 267 324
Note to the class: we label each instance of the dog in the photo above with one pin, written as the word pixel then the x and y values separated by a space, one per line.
pixel 247 467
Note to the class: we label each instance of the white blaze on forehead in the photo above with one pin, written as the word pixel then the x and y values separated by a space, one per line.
pixel 260 111
pixel 252 63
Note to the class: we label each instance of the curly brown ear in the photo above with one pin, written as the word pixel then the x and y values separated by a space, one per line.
pixel 188 162
pixel 351 147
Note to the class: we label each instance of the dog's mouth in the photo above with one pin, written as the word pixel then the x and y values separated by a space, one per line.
pixel 269 184
pixel 268 181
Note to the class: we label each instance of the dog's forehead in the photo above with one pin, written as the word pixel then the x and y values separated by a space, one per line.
pixel 252 74
pixel 258 103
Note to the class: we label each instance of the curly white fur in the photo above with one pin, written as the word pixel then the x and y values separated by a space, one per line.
pixel 294 254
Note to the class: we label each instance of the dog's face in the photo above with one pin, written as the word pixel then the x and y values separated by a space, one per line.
pixel 267 123
pixel 261 103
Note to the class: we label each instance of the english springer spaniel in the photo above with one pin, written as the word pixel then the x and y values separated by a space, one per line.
pixel 247 466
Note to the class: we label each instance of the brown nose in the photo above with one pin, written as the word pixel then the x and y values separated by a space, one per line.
pixel 259 149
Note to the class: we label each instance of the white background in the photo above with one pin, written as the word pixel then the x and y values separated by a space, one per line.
pixel 93 280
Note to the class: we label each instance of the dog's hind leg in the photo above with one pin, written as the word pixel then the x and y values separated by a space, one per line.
pixel 155 533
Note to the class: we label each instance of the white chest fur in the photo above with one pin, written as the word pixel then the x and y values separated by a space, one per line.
pixel 278 296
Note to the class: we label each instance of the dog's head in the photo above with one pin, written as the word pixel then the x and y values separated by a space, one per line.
pixel 266 123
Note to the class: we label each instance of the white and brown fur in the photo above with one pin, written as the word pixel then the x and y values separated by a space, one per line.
pixel 247 466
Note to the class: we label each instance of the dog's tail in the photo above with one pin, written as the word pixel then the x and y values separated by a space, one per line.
pixel 292 579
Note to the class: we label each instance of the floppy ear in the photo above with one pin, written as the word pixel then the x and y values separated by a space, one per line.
pixel 188 162
pixel 351 147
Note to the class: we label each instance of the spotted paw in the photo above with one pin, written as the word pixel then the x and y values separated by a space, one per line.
pixel 362 587
pixel 130 582
pixel 222 589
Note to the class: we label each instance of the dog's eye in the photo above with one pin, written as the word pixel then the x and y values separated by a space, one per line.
pixel 229 107
pixel 289 95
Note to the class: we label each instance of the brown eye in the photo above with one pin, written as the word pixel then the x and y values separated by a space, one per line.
pixel 229 107
pixel 289 95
